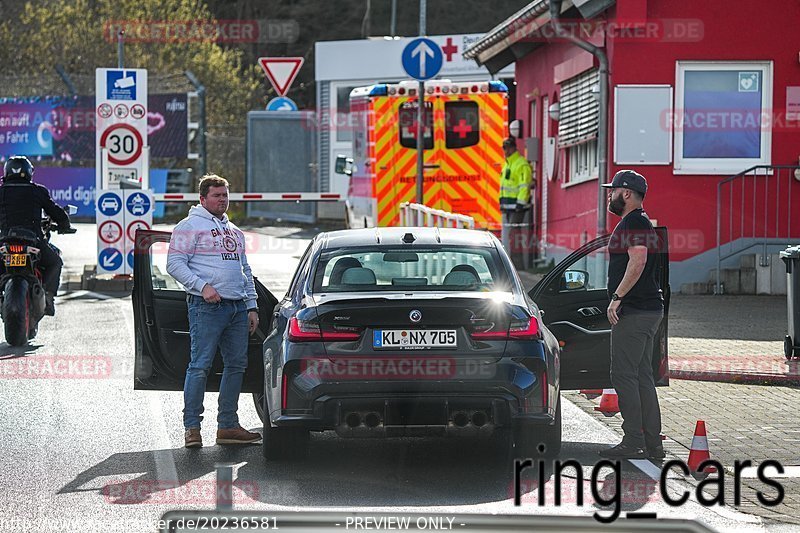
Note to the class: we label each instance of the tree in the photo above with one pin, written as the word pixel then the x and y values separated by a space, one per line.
pixel 80 35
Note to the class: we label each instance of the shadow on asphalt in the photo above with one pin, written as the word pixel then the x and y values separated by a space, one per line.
pixel 341 473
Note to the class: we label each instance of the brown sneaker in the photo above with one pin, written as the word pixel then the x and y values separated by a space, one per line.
pixel 193 438
pixel 237 436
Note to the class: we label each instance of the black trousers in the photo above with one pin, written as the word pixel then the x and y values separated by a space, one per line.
pixel 632 377
pixel 50 264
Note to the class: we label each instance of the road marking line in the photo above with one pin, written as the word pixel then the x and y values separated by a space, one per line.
pixel 81 294
pixel 166 473
pixel 788 472
pixel 651 470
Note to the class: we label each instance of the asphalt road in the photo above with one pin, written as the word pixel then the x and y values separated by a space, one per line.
pixel 83 451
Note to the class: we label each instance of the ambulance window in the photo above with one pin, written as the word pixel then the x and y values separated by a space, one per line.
pixel 463 124
pixel 407 120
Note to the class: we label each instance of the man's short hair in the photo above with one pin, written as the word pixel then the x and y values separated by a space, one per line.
pixel 509 142
pixel 211 180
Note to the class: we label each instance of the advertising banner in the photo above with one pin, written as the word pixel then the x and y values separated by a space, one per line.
pixel 63 127
pixel 76 186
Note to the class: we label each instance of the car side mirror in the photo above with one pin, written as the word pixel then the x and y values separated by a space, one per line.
pixel 344 165
pixel 71 209
pixel 574 280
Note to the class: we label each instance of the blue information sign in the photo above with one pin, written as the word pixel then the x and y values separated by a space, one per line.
pixel 281 103
pixel 422 59
pixel 110 259
pixel 109 204
pixel 138 204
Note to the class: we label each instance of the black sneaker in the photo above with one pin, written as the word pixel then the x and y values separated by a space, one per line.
pixel 50 305
pixel 656 452
pixel 623 451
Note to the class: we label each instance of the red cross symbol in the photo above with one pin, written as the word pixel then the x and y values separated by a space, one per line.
pixel 449 49
pixel 411 131
pixel 462 129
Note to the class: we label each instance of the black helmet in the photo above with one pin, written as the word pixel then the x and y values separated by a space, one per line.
pixel 18 166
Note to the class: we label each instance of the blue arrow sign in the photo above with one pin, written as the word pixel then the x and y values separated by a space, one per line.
pixel 422 59
pixel 110 259
pixel 281 103
pixel 130 259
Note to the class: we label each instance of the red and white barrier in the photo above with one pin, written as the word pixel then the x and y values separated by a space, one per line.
pixel 255 197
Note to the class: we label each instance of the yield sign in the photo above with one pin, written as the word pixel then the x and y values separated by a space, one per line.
pixel 281 71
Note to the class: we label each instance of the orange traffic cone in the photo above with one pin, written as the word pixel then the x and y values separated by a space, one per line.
pixel 699 450
pixel 609 404
pixel 591 394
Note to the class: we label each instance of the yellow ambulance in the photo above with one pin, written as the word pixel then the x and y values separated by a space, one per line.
pixel 465 124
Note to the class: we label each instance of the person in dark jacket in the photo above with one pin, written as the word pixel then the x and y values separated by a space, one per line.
pixel 21 205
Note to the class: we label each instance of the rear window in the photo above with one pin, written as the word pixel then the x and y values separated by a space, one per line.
pixel 407 120
pixel 463 124
pixel 400 269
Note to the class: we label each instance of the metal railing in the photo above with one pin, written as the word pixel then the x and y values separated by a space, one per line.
pixel 420 215
pixel 755 215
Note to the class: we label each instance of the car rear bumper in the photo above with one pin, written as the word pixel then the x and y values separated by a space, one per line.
pixel 389 409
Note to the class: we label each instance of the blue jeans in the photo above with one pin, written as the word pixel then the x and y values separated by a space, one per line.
pixel 211 325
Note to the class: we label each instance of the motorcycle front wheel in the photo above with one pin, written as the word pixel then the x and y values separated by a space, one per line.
pixel 16 312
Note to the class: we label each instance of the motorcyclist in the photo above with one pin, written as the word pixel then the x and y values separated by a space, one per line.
pixel 21 205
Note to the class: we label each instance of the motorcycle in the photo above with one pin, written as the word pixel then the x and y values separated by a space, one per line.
pixel 22 294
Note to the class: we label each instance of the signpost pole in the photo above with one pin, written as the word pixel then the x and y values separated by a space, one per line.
pixel 421 117
pixel 120 49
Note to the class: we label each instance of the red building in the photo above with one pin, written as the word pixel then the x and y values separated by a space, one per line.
pixel 698 92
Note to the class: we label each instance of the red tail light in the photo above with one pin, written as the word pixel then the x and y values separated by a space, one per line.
pixel 525 331
pixel 16 248
pixel 305 331
pixel 517 330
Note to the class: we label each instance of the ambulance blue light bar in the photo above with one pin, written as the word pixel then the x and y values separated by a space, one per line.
pixel 497 87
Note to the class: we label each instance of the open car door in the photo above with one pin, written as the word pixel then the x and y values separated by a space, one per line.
pixel 574 299
pixel 161 324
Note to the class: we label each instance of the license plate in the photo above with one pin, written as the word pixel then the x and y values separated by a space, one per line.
pixel 16 260
pixel 414 338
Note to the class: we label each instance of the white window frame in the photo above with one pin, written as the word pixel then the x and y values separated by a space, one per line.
pixel 722 165
pixel 590 170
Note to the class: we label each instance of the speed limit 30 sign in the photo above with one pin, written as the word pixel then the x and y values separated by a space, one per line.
pixel 123 142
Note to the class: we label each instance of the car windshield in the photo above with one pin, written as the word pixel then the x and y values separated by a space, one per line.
pixel 400 269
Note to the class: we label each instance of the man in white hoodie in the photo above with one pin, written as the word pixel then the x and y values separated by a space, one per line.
pixel 207 256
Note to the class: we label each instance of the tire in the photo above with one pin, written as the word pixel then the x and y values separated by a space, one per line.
pixel 533 440
pixel 282 443
pixel 16 314
pixel 258 400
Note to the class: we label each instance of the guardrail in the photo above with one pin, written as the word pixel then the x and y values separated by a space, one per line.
pixel 421 215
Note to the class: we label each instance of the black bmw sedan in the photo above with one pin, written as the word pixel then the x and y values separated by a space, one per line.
pixel 389 332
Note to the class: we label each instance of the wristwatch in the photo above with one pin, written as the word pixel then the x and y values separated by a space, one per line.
pixel 253 310
pixel 615 297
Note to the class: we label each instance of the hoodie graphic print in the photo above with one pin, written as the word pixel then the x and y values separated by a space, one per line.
pixel 206 250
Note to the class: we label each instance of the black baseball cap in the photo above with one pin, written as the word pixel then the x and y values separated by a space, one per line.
pixel 628 179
